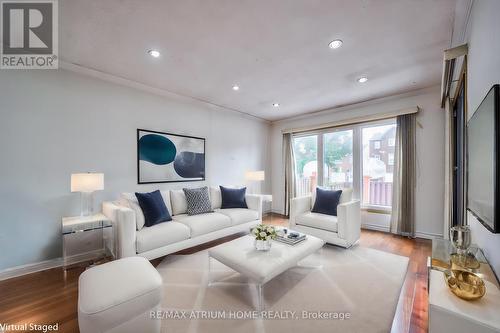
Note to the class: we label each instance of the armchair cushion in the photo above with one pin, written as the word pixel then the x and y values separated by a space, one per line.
pixel 326 201
pixel 318 221
pixel 345 197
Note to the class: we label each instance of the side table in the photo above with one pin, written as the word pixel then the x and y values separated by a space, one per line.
pixel 86 238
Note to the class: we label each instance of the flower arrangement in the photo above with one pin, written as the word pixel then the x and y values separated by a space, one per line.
pixel 264 232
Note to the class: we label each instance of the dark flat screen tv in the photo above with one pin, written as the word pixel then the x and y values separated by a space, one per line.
pixel 483 177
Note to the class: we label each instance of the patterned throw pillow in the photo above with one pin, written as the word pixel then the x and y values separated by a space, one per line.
pixel 198 200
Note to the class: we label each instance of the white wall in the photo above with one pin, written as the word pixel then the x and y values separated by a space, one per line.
pixel 54 123
pixel 430 154
pixel 483 37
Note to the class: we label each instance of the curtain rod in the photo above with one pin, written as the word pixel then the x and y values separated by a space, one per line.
pixel 353 121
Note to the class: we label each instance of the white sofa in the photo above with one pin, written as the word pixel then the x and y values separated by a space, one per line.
pixel 343 230
pixel 184 231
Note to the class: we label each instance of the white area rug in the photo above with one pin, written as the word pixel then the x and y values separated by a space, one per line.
pixel 361 283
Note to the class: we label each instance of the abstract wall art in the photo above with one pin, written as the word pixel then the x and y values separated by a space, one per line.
pixel 164 157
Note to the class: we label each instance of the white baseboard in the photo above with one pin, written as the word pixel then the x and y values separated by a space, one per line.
pixel 418 234
pixel 377 227
pixel 16 271
pixel 428 235
pixel 30 268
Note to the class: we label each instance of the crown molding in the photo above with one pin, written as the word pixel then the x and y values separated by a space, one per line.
pixel 150 89
pixel 341 109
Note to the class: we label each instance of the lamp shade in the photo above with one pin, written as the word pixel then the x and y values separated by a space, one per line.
pixel 255 175
pixel 87 182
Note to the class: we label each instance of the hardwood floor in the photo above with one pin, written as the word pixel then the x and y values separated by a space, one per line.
pixel 412 312
pixel 51 296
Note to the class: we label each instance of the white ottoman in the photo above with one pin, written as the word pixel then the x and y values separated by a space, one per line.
pixel 118 297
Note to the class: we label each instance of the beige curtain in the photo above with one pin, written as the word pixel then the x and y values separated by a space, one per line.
pixel 403 199
pixel 288 167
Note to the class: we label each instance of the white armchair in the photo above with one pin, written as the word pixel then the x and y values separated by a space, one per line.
pixel 343 230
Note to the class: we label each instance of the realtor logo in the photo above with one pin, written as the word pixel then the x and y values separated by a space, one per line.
pixel 29 34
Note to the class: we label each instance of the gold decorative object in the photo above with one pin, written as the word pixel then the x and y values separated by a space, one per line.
pixel 466 285
pixel 440 264
pixel 467 261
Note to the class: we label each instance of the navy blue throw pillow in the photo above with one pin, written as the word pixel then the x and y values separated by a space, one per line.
pixel 153 207
pixel 326 201
pixel 233 197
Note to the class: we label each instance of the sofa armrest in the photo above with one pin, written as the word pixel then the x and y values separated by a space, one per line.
pixel 254 202
pixel 299 206
pixel 124 228
pixel 349 221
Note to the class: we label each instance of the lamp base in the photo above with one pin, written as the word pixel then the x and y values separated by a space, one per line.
pixel 87 203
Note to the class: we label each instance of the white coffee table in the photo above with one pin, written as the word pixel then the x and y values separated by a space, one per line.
pixel 259 266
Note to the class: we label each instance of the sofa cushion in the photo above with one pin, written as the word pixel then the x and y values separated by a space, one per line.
pixel 233 197
pixel 203 223
pixel 318 221
pixel 239 215
pixel 198 200
pixel 179 202
pixel 215 197
pixel 326 201
pixel 150 238
pixel 153 207
pixel 129 200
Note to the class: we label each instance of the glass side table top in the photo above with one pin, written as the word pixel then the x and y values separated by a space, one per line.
pixel 76 224
pixel 443 251
pixel 444 257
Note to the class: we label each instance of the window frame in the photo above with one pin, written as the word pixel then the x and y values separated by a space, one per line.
pixel 357 156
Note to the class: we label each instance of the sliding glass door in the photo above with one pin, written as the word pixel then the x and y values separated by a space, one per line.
pixel 360 156
pixel 338 159
pixel 379 143
pixel 305 149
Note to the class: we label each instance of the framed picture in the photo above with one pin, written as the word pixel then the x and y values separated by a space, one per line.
pixel 166 158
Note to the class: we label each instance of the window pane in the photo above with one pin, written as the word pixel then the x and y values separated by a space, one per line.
pixel 305 150
pixel 337 155
pixel 378 164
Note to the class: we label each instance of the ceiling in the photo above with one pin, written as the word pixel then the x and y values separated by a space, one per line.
pixel 276 51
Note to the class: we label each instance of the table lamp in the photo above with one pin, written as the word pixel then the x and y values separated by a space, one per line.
pixel 255 176
pixel 87 184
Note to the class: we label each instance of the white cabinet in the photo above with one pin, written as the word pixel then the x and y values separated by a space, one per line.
pixel 448 313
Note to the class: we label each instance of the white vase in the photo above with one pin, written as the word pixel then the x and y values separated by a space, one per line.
pixel 262 245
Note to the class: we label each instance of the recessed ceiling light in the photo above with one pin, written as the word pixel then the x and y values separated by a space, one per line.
pixel 335 44
pixel 276 105
pixel 154 53
pixel 362 79
pixel 236 88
